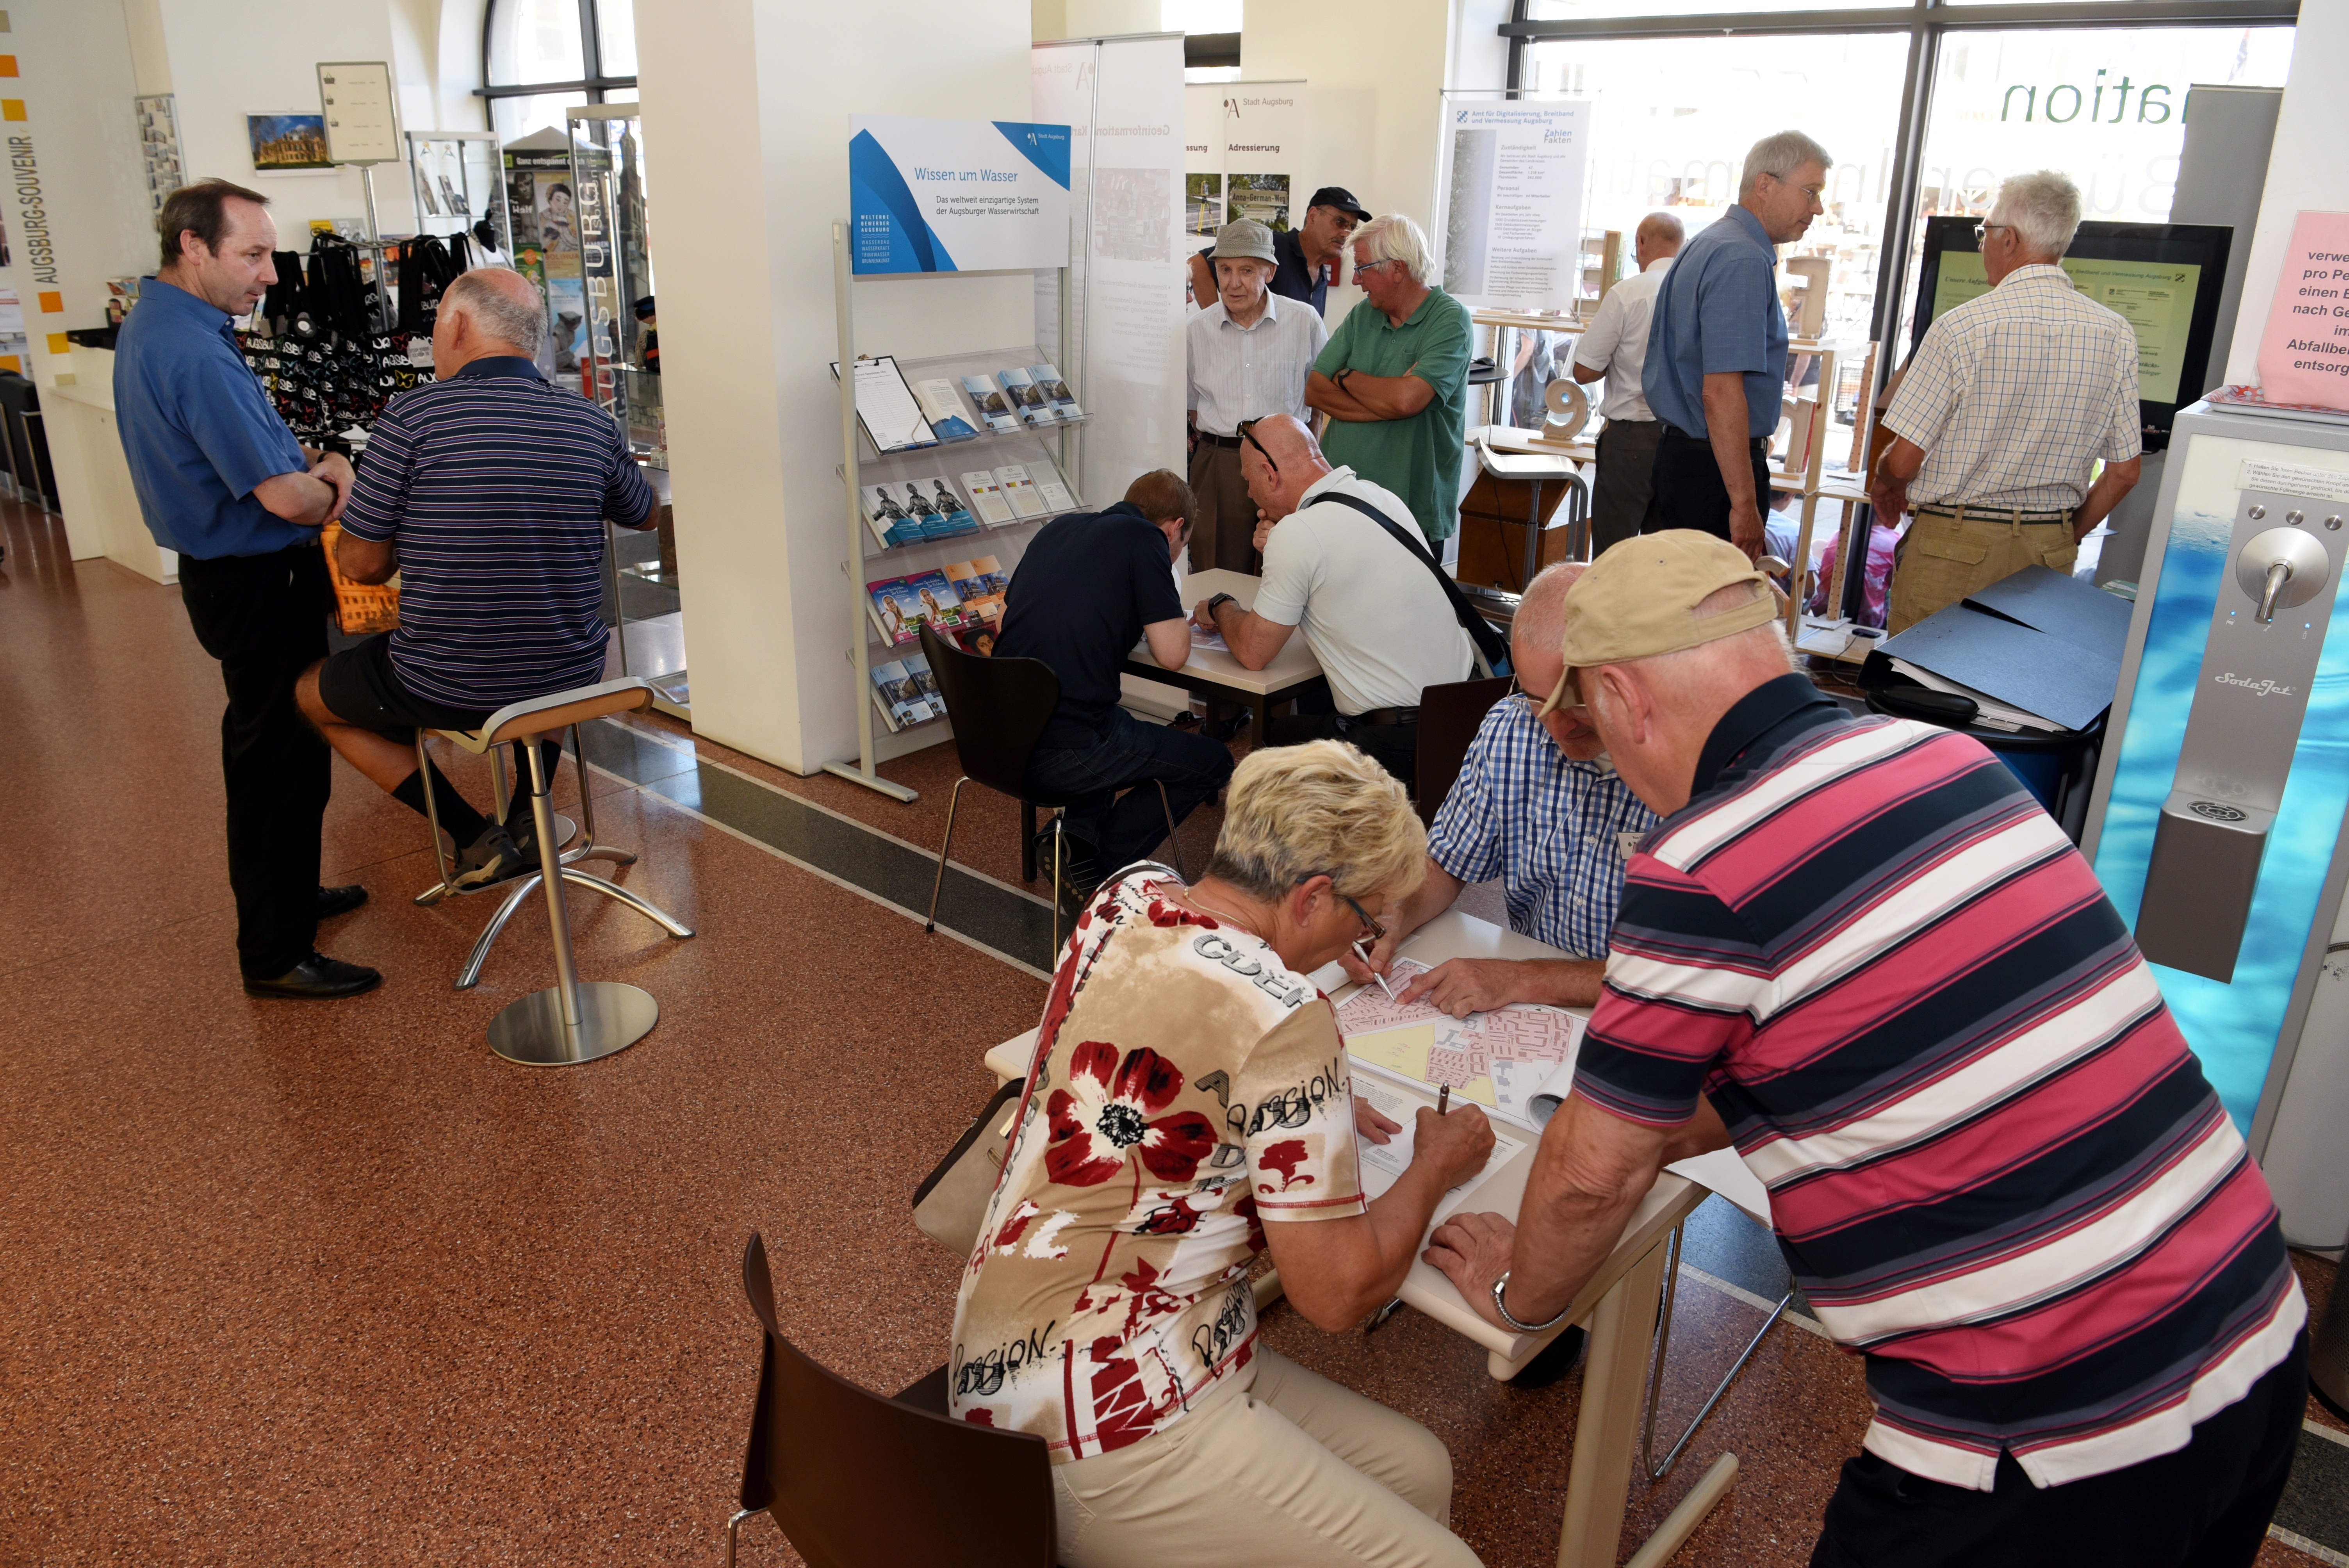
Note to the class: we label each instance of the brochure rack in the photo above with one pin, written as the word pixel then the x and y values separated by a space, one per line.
pixel 861 465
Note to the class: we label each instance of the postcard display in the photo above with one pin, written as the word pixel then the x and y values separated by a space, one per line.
pixel 457 178
pixel 949 463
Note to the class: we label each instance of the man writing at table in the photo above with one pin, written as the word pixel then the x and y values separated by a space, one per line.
pixel 1859 950
pixel 1539 805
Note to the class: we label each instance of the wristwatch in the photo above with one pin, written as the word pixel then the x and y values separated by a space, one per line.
pixel 1218 601
pixel 1501 1305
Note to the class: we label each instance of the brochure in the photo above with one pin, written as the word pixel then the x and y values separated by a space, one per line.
pixel 943 409
pixel 951 515
pixel 899 693
pixel 886 516
pixel 919 669
pixel 1019 491
pixel 885 408
pixel 1049 484
pixel 933 599
pixel 976 637
pixel 987 497
pixel 1022 392
pixel 979 583
pixel 1056 391
pixel 992 406
pixel 893 609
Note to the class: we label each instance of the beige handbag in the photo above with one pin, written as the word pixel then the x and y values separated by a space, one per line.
pixel 951 1202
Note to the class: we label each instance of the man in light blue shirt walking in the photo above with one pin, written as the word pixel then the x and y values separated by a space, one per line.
pixel 1716 362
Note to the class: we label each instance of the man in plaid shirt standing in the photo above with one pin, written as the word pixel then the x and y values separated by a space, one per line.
pixel 2004 413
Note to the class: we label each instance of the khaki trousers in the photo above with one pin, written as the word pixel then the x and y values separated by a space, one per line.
pixel 1222 534
pixel 1945 556
pixel 1281 1467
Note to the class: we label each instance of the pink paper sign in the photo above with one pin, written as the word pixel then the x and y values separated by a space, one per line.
pixel 2304 354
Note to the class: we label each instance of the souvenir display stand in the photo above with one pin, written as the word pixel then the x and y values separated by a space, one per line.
pixel 454 179
pixel 863 465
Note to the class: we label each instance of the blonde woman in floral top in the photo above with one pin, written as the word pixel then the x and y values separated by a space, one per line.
pixel 1187 1109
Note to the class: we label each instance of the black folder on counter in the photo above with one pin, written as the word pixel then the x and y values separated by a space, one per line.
pixel 2038 642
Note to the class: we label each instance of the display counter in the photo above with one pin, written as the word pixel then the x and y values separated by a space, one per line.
pixel 100 508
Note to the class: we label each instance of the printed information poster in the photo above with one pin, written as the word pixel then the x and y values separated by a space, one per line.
pixel 956 195
pixel 2304 352
pixel 1243 156
pixel 1513 181
pixel 2155 298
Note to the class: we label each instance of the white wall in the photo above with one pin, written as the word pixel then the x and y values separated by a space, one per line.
pixel 2306 172
pixel 746 126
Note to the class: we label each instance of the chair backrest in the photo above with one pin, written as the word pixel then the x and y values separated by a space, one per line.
pixel 1449 715
pixel 999 706
pixel 859 1481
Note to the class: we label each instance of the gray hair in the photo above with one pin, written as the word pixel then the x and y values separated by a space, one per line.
pixel 1395 237
pixel 496 311
pixel 2042 208
pixel 1779 156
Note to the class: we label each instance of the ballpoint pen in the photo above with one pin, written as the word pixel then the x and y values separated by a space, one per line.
pixel 1382 979
pixel 1443 1101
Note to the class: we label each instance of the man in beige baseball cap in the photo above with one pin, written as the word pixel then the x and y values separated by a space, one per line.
pixel 1662 636
pixel 1249 353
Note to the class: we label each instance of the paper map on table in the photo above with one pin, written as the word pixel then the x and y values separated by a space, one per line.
pixel 1383 1163
pixel 1517 1061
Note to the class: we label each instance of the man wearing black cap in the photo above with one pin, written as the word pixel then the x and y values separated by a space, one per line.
pixel 1305 260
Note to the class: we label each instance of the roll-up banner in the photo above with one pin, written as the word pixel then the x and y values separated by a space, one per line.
pixel 956 195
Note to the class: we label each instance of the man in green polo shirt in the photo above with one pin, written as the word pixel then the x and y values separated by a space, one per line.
pixel 1394 377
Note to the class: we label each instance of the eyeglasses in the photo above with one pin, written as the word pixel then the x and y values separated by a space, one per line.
pixel 1981 230
pixel 1815 193
pixel 1247 428
pixel 1377 932
pixel 1361 267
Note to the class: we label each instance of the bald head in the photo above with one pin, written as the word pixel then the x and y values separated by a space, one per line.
pixel 1283 462
pixel 488 313
pixel 1659 235
pixel 1533 638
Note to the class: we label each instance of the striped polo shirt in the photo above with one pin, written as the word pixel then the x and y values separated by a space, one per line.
pixel 495 486
pixel 1993 1165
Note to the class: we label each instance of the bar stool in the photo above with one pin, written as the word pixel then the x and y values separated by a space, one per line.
pixel 572 1020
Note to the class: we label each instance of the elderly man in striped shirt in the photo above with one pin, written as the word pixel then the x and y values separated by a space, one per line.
pixel 487 491
pixel 1860 952
pixel 1539 805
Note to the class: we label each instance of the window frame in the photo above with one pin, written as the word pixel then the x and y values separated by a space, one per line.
pixel 594 83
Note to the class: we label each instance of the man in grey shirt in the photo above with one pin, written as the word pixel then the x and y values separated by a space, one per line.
pixel 1616 347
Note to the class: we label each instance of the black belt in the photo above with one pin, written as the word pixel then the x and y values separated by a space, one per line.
pixel 1382 716
pixel 1207 440
pixel 1758 443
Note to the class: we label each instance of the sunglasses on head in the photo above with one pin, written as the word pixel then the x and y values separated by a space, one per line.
pixel 1248 433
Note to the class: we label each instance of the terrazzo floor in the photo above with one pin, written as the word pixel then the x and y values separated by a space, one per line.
pixel 329 1282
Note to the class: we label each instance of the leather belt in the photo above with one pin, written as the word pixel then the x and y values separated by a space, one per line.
pixel 1383 716
pixel 1995 514
pixel 1757 443
pixel 1207 440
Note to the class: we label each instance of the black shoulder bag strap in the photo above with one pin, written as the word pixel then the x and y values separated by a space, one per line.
pixel 1480 632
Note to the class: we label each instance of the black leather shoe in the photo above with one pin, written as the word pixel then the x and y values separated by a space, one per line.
pixel 334 901
pixel 318 978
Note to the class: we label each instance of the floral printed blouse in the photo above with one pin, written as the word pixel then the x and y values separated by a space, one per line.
pixel 1186 1083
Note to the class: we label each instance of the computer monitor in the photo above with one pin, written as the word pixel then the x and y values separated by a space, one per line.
pixel 2164 278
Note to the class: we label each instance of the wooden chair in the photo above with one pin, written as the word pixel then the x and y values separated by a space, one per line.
pixel 857 1480
pixel 1449 717
pixel 1000 707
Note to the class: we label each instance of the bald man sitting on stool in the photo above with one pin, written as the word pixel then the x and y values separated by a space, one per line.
pixel 486 491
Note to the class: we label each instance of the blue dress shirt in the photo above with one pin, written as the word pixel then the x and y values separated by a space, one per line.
pixel 1555 831
pixel 198 430
pixel 1717 311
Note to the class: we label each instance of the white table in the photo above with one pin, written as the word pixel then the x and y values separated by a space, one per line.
pixel 1619 1304
pixel 1215 672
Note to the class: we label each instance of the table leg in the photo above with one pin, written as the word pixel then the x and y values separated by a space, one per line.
pixel 1533 539
pixel 1598 1478
pixel 1260 724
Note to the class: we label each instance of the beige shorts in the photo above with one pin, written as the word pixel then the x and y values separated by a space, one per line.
pixel 1283 1466
pixel 1943 559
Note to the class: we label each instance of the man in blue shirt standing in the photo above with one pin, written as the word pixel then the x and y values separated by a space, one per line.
pixel 1716 368
pixel 486 490
pixel 220 480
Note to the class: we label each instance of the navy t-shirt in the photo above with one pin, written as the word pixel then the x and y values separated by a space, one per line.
pixel 1079 600
pixel 1292 279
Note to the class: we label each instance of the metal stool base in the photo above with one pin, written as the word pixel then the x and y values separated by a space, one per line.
pixel 565 831
pixel 612 1017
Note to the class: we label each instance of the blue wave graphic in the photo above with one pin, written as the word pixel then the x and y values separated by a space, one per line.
pixel 887 232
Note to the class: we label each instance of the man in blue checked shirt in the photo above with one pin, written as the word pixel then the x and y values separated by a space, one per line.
pixel 1537 805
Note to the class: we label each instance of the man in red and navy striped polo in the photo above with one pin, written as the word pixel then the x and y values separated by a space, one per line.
pixel 1859 951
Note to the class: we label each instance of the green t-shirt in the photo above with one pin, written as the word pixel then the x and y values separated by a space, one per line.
pixel 1418 457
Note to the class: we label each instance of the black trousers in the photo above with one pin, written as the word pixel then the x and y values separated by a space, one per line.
pixel 264 617
pixel 1393 747
pixel 1689 491
pixel 2205 1505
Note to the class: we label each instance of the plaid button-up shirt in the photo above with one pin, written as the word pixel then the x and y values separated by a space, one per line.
pixel 2016 393
pixel 1556 831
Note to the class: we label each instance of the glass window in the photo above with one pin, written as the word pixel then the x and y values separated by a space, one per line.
pixel 616 27
pixel 516 117
pixel 1595 10
pixel 535 41
pixel 1672 119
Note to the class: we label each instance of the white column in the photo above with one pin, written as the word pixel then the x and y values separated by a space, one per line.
pixel 746 131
